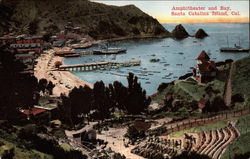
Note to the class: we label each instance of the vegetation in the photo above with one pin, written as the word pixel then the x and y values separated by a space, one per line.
pixel 21 152
pixel 183 95
pixel 133 134
pixel 239 147
pixel 32 141
pixel 103 100
pixel 98 20
pixel 18 89
pixel 241 79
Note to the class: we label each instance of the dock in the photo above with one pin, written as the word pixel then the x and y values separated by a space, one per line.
pixel 98 66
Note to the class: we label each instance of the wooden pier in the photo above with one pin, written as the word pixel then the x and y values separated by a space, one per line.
pixel 98 66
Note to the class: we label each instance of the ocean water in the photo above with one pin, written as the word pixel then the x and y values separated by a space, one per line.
pixel 176 56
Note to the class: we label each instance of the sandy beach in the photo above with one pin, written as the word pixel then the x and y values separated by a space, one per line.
pixel 64 80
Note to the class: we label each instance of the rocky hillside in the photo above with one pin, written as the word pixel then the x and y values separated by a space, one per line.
pixel 95 19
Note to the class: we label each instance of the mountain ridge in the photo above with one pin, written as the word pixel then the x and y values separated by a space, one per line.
pixel 97 20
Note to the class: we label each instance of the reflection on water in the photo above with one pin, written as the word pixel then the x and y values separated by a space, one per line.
pixel 175 57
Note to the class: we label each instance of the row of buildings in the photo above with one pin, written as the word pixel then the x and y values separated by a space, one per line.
pixel 25 49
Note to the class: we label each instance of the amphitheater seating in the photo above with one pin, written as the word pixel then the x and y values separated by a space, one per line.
pixel 167 148
pixel 212 143
pixel 219 141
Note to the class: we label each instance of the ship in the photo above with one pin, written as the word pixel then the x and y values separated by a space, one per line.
pixel 236 48
pixel 109 50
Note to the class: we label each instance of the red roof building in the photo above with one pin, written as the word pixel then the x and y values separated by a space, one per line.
pixel 207 66
pixel 203 56
pixel 205 70
pixel 33 111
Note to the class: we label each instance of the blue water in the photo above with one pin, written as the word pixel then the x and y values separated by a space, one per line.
pixel 176 56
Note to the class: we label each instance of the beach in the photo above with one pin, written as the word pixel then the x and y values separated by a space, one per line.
pixel 64 80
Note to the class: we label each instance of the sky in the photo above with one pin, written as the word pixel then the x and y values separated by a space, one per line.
pixel 163 10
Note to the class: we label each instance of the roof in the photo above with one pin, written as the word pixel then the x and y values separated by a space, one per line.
pixel 207 66
pixel 202 103
pixel 46 107
pixel 203 56
pixel 33 111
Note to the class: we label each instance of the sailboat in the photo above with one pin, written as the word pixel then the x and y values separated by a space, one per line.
pixel 236 48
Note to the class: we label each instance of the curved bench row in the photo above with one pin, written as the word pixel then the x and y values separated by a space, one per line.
pixel 213 143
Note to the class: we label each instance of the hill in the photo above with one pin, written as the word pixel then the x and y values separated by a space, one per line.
pixel 98 20
pixel 241 80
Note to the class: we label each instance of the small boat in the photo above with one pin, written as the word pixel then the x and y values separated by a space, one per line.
pixel 236 48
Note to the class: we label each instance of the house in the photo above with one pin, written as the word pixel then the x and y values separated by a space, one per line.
pixel 25 58
pixel 205 69
pixel 33 112
pixel 88 133
pixel 22 44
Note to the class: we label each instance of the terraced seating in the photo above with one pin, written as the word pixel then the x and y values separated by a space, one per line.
pixel 212 143
pixel 218 141
pixel 222 139
pixel 165 148
pixel 207 140
pixel 200 140
pixel 215 138
pixel 233 135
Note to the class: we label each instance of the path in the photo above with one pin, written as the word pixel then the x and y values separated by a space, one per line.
pixel 115 138
pixel 228 91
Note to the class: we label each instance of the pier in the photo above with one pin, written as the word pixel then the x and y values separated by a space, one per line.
pixel 98 66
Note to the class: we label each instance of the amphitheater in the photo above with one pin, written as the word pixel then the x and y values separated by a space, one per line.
pixel 212 143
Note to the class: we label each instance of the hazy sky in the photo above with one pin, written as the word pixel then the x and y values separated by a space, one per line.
pixel 162 10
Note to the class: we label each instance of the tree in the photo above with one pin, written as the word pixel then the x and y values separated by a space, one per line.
pixel 64 108
pixel 57 64
pixel 17 89
pixel 42 84
pixel 101 100
pixel 8 154
pixel 119 94
pixel 50 87
pixel 137 101
pixel 78 103
pixel 33 27
pixel 216 105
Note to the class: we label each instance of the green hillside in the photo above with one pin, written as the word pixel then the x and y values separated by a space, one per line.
pixel 241 79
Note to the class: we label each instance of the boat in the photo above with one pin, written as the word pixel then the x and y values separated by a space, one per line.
pixel 108 50
pixel 236 48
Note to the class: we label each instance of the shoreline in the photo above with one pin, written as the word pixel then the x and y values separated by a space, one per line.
pixel 64 81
